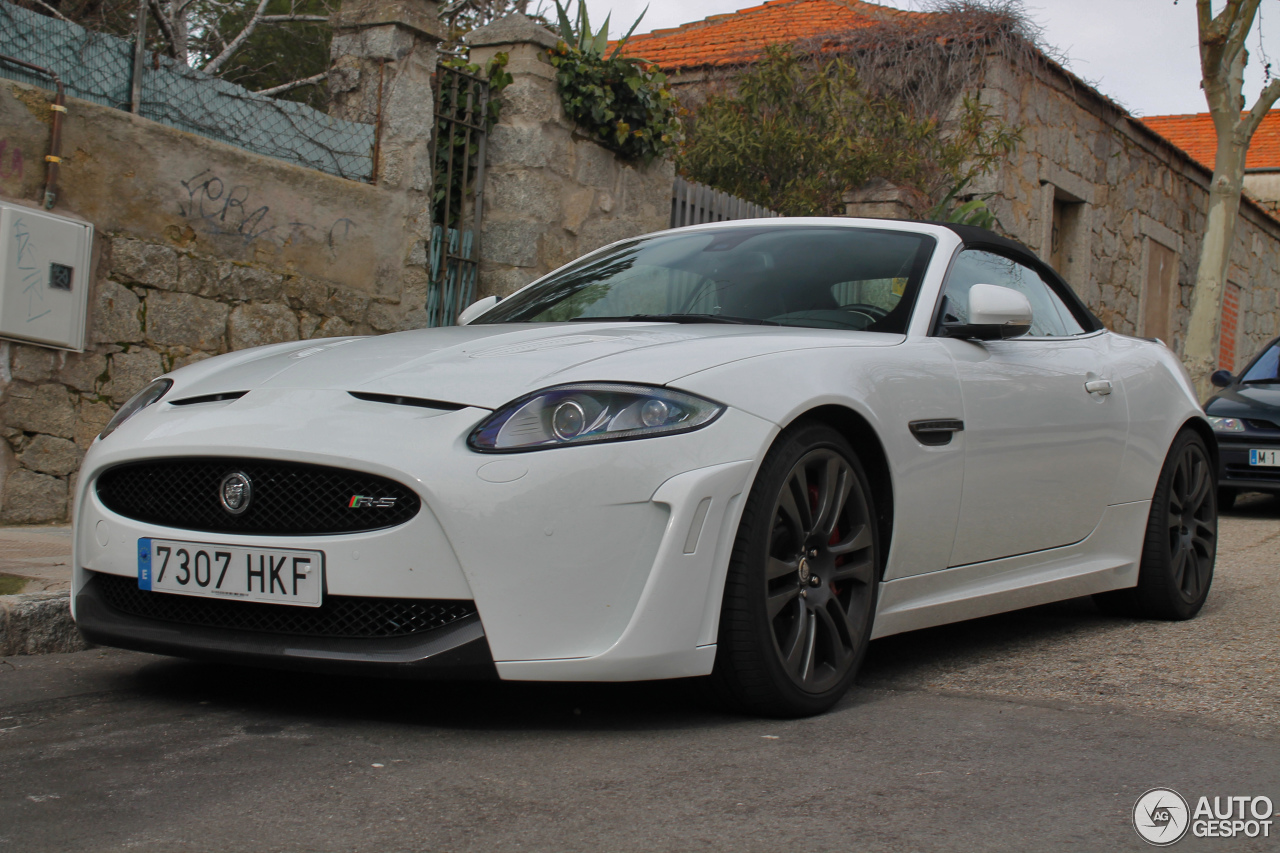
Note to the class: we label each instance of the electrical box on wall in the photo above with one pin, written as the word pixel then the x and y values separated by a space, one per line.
pixel 44 276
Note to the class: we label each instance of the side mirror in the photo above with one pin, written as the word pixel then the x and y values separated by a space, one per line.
pixel 1222 378
pixel 995 313
pixel 475 309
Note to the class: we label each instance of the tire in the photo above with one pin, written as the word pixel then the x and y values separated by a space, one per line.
pixel 1178 553
pixel 801 589
pixel 1227 498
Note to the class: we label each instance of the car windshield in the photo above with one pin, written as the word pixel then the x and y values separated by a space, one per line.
pixel 860 279
pixel 1266 368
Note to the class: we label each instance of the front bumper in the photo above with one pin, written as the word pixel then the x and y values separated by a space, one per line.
pixel 600 562
pixel 1235 472
pixel 454 652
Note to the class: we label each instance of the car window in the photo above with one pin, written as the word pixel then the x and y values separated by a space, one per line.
pixel 1050 316
pixel 1266 367
pixel 856 279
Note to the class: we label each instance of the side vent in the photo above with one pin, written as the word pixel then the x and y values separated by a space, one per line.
pixel 935 433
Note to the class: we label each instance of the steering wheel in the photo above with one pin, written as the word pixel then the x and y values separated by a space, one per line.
pixel 875 312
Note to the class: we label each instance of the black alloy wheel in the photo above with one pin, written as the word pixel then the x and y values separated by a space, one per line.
pixel 801 590
pixel 1181 543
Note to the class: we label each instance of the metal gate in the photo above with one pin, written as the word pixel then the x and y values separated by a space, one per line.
pixel 457 159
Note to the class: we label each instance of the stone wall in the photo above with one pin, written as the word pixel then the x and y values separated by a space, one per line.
pixel 551 194
pixel 1122 192
pixel 202 248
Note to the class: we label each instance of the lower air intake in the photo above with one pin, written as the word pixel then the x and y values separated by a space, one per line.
pixel 349 617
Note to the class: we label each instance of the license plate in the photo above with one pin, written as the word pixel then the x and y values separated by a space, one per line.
pixel 1269 458
pixel 276 575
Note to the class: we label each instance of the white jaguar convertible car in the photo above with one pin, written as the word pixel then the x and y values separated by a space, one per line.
pixel 739 450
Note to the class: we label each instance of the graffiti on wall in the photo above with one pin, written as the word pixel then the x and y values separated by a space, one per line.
pixel 11 160
pixel 227 209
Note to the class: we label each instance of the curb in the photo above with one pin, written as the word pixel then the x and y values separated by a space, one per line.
pixel 38 623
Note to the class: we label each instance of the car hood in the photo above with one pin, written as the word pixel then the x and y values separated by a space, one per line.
pixel 1245 401
pixel 488 365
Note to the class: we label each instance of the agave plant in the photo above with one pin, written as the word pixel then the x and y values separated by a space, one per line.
pixel 578 35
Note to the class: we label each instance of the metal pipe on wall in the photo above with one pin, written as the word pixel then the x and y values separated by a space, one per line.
pixel 58 108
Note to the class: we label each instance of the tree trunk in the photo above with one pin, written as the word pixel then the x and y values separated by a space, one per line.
pixel 1215 259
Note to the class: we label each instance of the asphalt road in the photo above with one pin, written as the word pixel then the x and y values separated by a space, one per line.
pixel 1029 731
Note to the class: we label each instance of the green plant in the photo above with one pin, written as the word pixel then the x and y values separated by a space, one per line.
pixel 457 149
pixel 974 211
pixel 623 103
pixel 578 34
pixel 799 130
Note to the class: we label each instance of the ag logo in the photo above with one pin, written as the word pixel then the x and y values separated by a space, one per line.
pixel 235 492
pixel 1161 816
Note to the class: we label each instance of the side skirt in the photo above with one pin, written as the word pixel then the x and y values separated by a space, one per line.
pixel 1106 560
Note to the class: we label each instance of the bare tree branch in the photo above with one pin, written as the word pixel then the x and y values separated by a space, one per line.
pixel 1241 23
pixel 49 8
pixel 281 19
pixel 296 84
pixel 213 65
pixel 163 21
pixel 1261 107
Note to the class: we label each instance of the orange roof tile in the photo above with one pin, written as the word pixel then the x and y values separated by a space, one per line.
pixel 1195 135
pixel 741 36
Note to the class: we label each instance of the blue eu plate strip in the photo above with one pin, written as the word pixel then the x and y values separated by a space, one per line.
pixel 1253 457
pixel 144 564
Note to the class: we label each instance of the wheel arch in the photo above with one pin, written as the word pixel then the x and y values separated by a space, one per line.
pixel 871 453
pixel 1202 429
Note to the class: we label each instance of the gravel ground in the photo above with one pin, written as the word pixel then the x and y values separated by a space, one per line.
pixel 1220 670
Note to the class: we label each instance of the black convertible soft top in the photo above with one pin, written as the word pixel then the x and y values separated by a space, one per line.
pixel 985 236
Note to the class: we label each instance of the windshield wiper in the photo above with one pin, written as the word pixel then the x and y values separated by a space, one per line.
pixel 1266 380
pixel 678 318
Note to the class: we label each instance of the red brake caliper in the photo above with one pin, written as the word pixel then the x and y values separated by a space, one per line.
pixel 835 533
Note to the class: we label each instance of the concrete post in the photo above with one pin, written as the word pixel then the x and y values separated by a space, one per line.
pixel 384 56
pixel 551 194
pixel 878 199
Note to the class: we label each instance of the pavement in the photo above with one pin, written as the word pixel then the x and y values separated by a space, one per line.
pixel 35 559
pixel 1034 730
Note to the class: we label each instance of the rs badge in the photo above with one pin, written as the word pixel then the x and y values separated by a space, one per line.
pixel 363 501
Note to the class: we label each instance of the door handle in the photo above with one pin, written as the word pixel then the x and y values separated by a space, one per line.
pixel 1101 387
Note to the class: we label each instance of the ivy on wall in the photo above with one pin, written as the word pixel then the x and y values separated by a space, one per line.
pixel 623 103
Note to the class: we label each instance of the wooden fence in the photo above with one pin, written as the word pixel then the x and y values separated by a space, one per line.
pixel 693 204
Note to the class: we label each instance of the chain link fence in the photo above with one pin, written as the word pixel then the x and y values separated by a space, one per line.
pixel 98 67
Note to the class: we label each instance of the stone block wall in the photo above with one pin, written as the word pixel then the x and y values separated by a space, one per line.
pixel 1125 187
pixel 200 249
pixel 551 194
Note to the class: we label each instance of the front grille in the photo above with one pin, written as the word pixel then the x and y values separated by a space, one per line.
pixel 339 615
pixel 286 498
pixel 1253 472
pixel 1258 423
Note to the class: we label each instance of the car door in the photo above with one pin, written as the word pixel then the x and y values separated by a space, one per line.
pixel 1045 423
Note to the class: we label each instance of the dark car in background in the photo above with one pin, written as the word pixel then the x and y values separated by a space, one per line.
pixel 1246 419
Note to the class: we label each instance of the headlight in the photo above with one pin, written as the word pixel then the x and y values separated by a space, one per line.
pixel 137 403
pixel 588 413
pixel 1226 424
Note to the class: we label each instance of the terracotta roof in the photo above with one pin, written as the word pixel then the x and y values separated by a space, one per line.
pixel 740 36
pixel 1195 135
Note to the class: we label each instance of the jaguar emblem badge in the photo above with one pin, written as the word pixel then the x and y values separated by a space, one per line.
pixel 235 493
